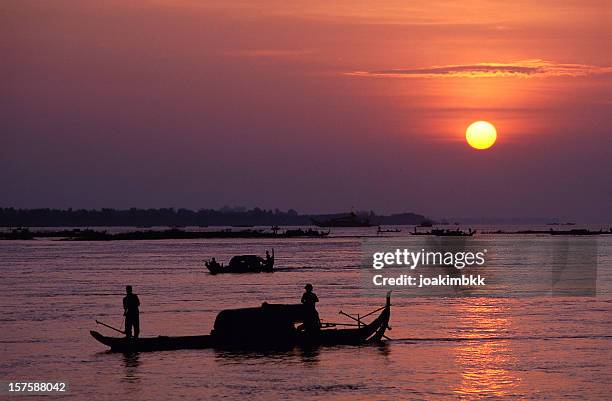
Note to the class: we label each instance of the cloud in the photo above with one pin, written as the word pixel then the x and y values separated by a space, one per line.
pixel 522 68
pixel 269 53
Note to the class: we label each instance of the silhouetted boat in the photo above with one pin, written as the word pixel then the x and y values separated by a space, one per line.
pixel 270 326
pixel 349 220
pixel 18 234
pixel 389 230
pixel 306 233
pixel 453 233
pixel 575 231
pixel 445 233
pixel 242 264
pixel 160 343
pixel 517 232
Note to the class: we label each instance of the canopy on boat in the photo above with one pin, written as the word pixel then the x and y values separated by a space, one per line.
pixel 268 322
pixel 246 259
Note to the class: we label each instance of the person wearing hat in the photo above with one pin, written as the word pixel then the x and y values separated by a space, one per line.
pixel 309 299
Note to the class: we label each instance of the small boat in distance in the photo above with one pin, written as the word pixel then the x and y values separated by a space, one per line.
pixel 445 232
pixel 389 230
pixel 242 264
pixel 310 233
pixel 349 220
pixel 576 231
pixel 270 326
pixel 453 233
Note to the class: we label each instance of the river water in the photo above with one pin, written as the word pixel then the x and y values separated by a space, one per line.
pixel 540 346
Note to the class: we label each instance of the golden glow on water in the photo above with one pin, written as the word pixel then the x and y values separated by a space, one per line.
pixel 485 365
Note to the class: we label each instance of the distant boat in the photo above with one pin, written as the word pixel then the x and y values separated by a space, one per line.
pixel 391 230
pixel 575 231
pixel 20 233
pixel 305 233
pixel 453 233
pixel 349 220
pixel 445 233
pixel 426 223
pixel 242 264
pixel 270 326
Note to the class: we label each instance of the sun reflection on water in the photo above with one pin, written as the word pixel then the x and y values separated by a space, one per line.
pixel 485 364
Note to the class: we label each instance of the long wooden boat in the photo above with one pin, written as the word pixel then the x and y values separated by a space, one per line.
pixel 271 326
pixel 388 230
pixel 445 232
pixel 453 233
pixel 160 343
pixel 576 231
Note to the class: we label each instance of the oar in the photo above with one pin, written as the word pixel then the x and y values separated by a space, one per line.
pixel 110 327
pixel 374 311
pixel 359 321
pixel 332 324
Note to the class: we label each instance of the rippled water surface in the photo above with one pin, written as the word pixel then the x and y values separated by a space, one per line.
pixel 535 347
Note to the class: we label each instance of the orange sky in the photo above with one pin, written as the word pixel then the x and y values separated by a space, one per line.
pixel 329 104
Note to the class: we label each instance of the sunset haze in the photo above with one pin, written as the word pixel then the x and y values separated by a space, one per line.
pixel 308 105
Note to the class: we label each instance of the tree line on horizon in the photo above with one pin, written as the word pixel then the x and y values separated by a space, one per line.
pixel 134 217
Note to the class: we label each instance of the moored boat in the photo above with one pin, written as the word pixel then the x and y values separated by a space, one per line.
pixel 310 233
pixel 380 230
pixel 445 233
pixel 576 231
pixel 270 326
pixel 453 233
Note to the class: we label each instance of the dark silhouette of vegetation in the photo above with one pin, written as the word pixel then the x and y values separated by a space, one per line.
pixel 170 217
pixel 24 233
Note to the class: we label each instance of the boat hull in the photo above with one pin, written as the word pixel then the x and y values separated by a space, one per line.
pixel 160 343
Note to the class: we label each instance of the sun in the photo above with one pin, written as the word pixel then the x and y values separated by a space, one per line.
pixel 481 135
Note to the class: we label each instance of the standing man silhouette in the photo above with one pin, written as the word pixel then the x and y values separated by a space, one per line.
pixel 131 313
pixel 269 259
pixel 309 299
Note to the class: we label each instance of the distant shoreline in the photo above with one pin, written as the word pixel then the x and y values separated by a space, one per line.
pixel 172 233
pixel 276 232
pixel 171 217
